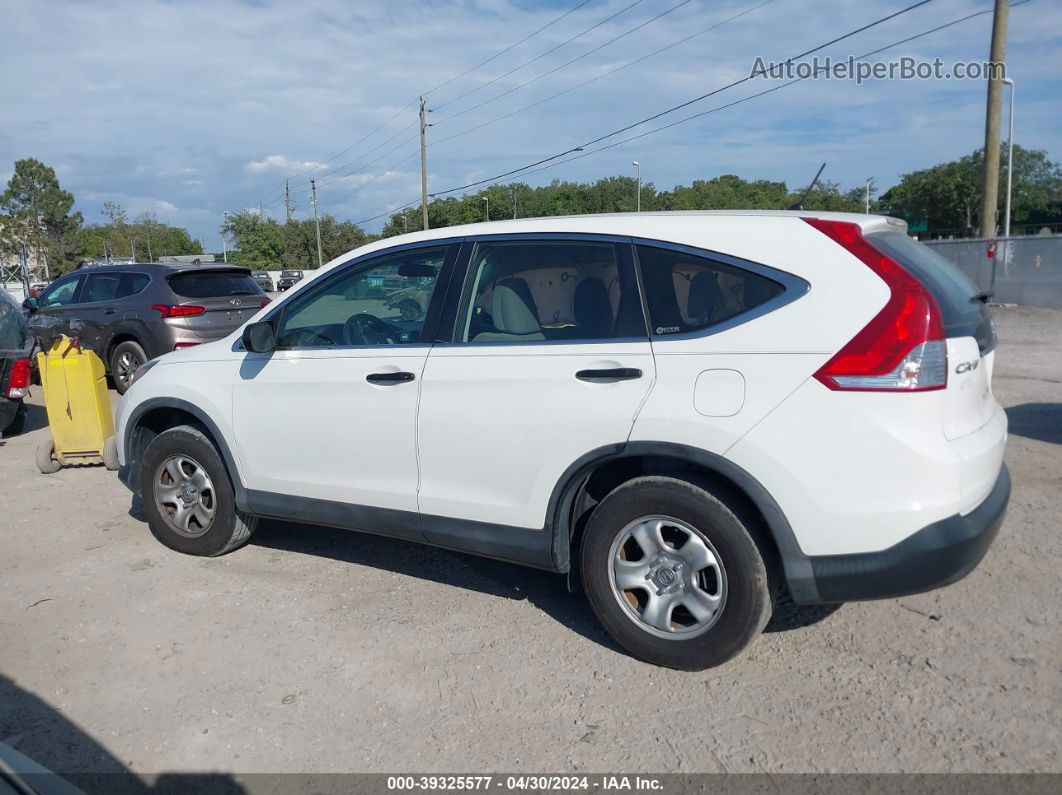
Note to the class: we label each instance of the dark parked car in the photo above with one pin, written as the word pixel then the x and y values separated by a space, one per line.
pixel 264 280
pixel 131 313
pixel 288 279
pixel 15 343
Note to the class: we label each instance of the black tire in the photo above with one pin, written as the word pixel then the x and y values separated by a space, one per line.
pixel 126 358
pixel 230 527
pixel 18 422
pixel 748 595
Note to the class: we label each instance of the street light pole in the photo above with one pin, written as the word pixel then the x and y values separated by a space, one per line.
pixel 1010 157
pixel 638 198
pixel 316 219
pixel 487 200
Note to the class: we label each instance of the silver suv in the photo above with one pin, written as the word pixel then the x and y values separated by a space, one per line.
pixel 131 313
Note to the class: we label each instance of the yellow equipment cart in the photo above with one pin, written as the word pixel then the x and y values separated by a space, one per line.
pixel 79 409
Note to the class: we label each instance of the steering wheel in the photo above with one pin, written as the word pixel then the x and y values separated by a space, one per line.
pixel 366 329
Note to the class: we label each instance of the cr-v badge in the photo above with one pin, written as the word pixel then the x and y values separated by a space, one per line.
pixel 967 367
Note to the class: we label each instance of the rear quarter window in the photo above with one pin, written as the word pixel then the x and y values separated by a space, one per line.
pixel 213 285
pixel 12 324
pixel 689 293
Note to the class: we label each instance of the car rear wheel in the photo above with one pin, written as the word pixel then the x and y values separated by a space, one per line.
pixel 188 497
pixel 673 575
pixel 126 358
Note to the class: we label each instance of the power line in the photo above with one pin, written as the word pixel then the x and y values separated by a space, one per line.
pixel 672 109
pixel 771 90
pixel 507 49
pixel 540 56
pixel 612 71
pixel 564 65
pixel 414 100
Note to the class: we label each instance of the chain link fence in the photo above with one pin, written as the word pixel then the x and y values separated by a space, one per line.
pixel 1028 270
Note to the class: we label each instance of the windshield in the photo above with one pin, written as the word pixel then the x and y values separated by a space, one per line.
pixel 12 323
pixel 213 284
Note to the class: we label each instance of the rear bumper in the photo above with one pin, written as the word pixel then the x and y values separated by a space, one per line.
pixel 937 555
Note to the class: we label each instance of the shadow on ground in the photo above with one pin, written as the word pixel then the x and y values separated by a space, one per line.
pixel 1040 421
pixel 548 592
pixel 39 731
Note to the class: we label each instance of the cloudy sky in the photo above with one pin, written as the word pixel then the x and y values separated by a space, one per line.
pixel 193 107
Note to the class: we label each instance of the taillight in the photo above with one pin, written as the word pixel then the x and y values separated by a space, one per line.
pixel 178 311
pixel 903 348
pixel 182 345
pixel 18 383
pixel 265 301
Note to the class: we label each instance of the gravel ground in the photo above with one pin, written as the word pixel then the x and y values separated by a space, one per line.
pixel 315 650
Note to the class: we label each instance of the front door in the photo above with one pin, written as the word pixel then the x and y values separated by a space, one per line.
pixel 549 360
pixel 330 415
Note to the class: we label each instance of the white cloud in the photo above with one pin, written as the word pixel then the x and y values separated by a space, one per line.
pixel 284 165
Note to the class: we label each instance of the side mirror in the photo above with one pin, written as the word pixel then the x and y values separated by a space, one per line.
pixel 30 305
pixel 260 337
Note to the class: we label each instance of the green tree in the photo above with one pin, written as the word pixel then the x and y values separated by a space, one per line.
pixel 37 213
pixel 259 241
pixel 947 196
pixel 337 237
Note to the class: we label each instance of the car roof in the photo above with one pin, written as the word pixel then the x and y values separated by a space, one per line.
pixel 633 224
pixel 163 267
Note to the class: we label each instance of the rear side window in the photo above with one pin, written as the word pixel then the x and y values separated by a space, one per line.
pixel 964 314
pixel 549 291
pixel 687 293
pixel 213 284
pixel 132 283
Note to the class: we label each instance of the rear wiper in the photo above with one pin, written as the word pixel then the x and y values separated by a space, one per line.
pixel 983 297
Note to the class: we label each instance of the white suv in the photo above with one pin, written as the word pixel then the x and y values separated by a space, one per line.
pixel 690 410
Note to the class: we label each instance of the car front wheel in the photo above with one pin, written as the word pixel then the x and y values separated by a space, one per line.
pixel 188 497
pixel 673 575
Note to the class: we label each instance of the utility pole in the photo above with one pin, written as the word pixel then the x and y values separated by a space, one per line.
pixel 997 55
pixel 224 243
pixel 1010 160
pixel 487 200
pixel 870 183
pixel 514 202
pixel 423 168
pixel 316 219
pixel 132 248
pixel 287 203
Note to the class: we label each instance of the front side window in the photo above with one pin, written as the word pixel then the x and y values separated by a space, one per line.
pixel 61 293
pixel 688 293
pixel 548 291
pixel 383 302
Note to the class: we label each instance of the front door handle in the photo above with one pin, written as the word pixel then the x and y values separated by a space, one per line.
pixel 609 375
pixel 389 378
pixel 110 311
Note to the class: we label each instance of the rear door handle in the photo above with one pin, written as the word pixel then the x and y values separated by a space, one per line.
pixel 110 311
pixel 389 378
pixel 609 375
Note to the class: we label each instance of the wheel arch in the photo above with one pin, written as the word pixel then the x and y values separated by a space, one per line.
pixel 156 415
pixel 588 480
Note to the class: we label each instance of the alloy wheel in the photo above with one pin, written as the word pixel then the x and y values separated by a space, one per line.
pixel 184 495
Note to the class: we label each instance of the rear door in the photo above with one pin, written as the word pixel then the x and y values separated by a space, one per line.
pixel 228 296
pixel 546 359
